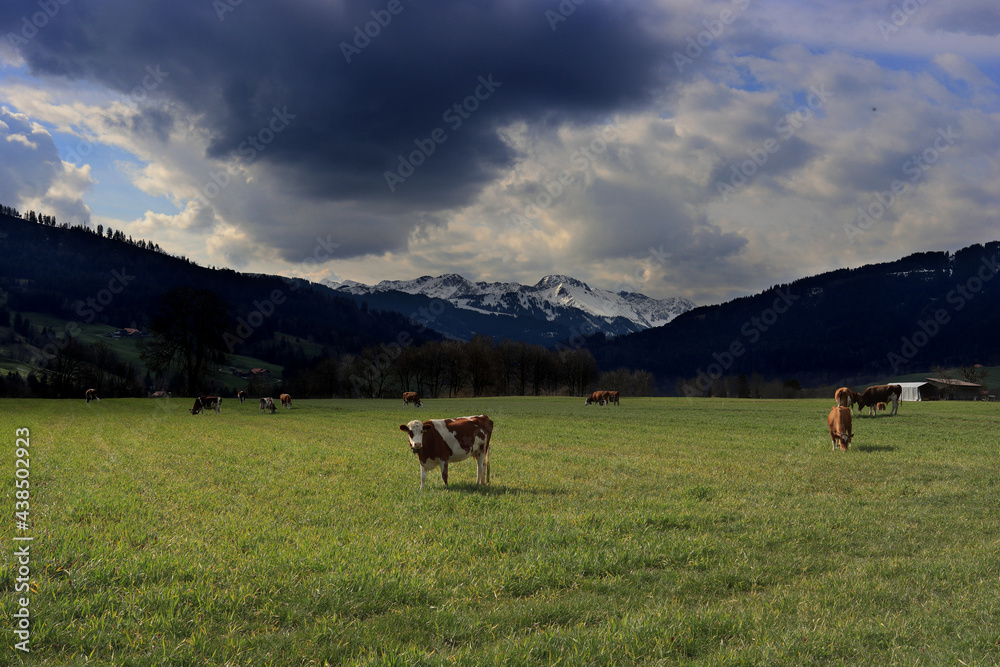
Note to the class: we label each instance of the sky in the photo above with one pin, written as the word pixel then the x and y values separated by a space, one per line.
pixel 704 149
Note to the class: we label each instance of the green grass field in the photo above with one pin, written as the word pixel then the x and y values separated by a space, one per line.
pixel 664 531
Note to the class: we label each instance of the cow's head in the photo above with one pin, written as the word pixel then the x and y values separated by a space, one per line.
pixel 415 432
pixel 845 440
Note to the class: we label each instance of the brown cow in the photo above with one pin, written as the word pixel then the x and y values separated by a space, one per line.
pixel 286 401
pixel 614 397
pixel 882 393
pixel 839 421
pixel 443 441
pixel 599 397
pixel 242 395
pixel 91 395
pixel 412 397
pixel 880 407
pixel 203 403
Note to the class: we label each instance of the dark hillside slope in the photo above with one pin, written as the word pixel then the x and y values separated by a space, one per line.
pixel 926 309
pixel 76 275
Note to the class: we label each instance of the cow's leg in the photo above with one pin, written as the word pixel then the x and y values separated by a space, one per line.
pixel 481 469
pixel 423 476
pixel 895 403
pixel 444 472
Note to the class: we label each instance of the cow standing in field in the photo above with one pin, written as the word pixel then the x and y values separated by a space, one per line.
pixel 91 395
pixel 614 397
pixel 286 401
pixel 267 405
pixel 443 441
pixel 882 393
pixel 843 397
pixel 203 403
pixel 412 397
pixel 241 395
pixel 839 422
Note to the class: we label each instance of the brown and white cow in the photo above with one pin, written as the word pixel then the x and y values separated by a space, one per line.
pixel 881 393
pixel 880 407
pixel 286 401
pixel 242 395
pixel 839 422
pixel 91 395
pixel 203 403
pixel 412 397
pixel 614 397
pixel 843 397
pixel 443 441
pixel 267 405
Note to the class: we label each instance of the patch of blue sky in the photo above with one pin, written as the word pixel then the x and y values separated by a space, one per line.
pixel 113 194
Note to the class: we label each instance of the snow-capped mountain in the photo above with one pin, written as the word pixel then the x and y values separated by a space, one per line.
pixel 566 305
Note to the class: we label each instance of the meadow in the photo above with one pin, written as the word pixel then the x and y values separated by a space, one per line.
pixel 663 531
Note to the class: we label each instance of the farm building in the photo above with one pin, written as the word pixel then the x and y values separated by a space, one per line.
pixel 940 389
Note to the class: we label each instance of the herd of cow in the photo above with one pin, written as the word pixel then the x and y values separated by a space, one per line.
pixel 203 403
pixel 438 442
pixel 874 398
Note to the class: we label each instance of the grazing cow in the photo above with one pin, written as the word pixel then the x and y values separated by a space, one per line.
pixel 443 441
pixel 882 393
pixel 599 397
pixel 839 421
pixel 412 397
pixel 880 407
pixel 242 395
pixel 613 397
pixel 203 403
pixel 91 395
pixel 267 405
pixel 286 401
pixel 856 400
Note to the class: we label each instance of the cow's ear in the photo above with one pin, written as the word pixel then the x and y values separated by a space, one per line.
pixel 402 427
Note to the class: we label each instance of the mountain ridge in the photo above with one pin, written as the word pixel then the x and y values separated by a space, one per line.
pixel 564 301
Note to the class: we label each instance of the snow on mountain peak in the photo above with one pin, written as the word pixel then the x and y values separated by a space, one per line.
pixel 553 297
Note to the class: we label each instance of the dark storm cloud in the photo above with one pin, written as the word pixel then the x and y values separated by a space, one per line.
pixel 348 104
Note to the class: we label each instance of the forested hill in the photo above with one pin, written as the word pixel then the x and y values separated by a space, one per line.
pixel 881 320
pixel 80 276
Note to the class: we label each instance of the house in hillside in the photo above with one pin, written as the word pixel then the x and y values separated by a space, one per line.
pixel 941 389
pixel 128 332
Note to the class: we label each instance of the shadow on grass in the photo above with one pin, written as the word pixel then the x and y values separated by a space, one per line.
pixel 499 490
pixel 876 448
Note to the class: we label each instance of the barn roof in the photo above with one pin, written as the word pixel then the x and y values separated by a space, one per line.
pixel 951 382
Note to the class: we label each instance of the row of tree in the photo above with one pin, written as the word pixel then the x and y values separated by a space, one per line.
pixel 50 221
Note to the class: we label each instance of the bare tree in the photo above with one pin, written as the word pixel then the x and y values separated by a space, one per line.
pixel 188 335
